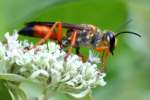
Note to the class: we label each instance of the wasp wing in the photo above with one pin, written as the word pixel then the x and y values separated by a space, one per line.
pixel 64 25
pixel 28 29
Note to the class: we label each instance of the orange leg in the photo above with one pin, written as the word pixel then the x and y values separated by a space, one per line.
pixel 73 42
pixel 104 49
pixel 59 33
pixel 49 33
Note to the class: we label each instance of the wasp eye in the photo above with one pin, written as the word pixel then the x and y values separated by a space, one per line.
pixel 108 38
pixel 111 39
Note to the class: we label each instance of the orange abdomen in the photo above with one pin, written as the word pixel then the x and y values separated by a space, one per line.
pixel 41 31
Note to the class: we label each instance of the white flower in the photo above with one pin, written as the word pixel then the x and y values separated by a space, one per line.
pixel 93 57
pixel 39 72
pixel 48 61
pixel 12 40
pixel 2 51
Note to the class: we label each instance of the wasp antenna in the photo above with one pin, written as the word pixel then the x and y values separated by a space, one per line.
pixel 127 32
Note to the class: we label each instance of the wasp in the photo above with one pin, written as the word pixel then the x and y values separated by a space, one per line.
pixel 75 36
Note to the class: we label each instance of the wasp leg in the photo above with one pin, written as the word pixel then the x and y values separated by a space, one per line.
pixel 59 33
pixel 104 49
pixel 73 42
pixel 78 50
pixel 49 33
pixel 79 54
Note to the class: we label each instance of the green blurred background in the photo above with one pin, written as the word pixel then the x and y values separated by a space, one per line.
pixel 128 70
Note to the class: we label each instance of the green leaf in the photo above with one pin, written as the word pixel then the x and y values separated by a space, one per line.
pixel 79 94
pixel 17 12
pixel 12 77
pixel 4 93
pixel 16 92
pixel 36 87
pixel 87 97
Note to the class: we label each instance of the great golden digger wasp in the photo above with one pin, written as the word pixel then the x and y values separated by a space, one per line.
pixel 75 36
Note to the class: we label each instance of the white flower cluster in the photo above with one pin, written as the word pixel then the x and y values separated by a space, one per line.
pixel 46 62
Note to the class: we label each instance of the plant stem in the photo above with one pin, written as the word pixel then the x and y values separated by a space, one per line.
pixel 45 95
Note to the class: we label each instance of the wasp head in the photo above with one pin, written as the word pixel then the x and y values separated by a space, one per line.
pixel 109 40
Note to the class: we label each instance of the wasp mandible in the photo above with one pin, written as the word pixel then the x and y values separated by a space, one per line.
pixel 75 36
